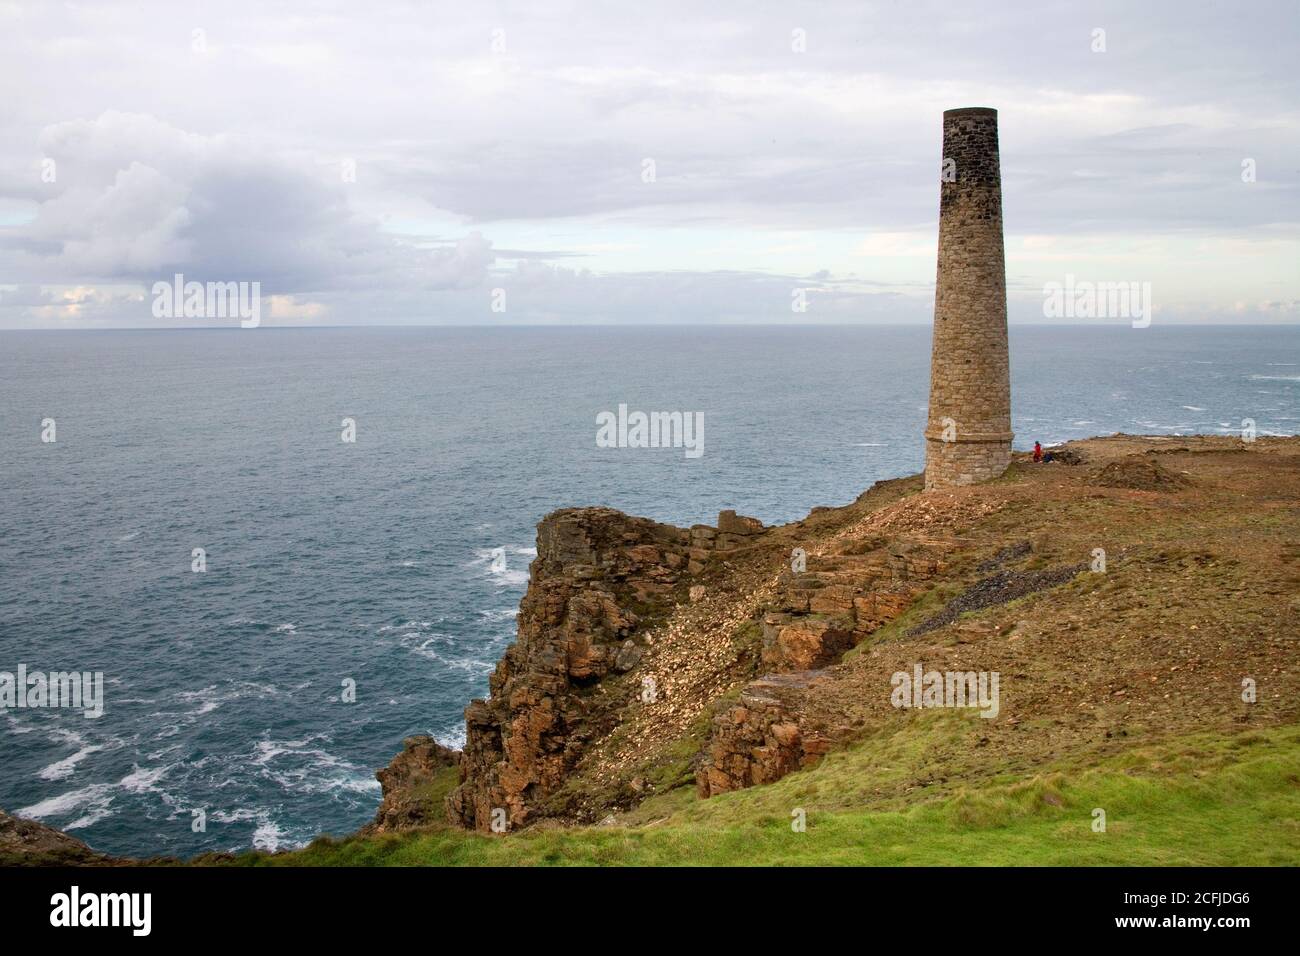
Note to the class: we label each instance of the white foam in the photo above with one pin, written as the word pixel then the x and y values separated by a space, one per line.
pixel 268 836
pixel 311 769
pixel 142 779
pixel 94 799
pixel 406 626
pixel 467 665
pixel 65 767
pixel 454 737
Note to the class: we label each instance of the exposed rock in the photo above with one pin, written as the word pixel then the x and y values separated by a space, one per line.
pixel 629 655
pixel 599 576
pixel 28 843
pixel 1066 456
pixel 731 523
pixel 860 587
pixel 759 739
pixel 406 802
pixel 736 531
pixel 807 645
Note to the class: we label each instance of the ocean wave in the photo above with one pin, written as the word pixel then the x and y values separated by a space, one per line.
pixel 467 665
pixel 92 802
pixel 61 769
pixel 143 779
pixel 406 626
pixel 267 834
pixel 302 766
pixel 423 647
pixel 453 737
pixel 208 699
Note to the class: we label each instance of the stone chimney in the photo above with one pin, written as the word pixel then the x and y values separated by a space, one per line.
pixel 968 433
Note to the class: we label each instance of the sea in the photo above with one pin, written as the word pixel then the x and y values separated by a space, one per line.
pixel 273 607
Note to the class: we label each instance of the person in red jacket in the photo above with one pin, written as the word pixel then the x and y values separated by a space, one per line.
pixel 1038 452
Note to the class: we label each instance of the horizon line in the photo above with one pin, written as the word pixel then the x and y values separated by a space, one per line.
pixel 635 325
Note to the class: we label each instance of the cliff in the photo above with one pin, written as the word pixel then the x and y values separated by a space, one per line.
pixel 651 657
pixel 676 694
pixel 600 594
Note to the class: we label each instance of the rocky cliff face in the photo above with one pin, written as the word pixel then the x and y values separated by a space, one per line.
pixel 848 589
pixel 405 782
pixel 601 582
pixel 598 578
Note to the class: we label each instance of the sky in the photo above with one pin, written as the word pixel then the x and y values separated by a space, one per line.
pixel 627 162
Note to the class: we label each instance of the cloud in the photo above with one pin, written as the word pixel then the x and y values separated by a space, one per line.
pixel 136 199
pixel 490 141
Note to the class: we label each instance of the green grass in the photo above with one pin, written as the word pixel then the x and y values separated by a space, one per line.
pixel 1202 800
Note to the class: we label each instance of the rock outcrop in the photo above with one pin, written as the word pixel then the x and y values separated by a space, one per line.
pixel 600 577
pixel 761 738
pixel 844 594
pixel 28 843
pixel 405 785
pixel 842 597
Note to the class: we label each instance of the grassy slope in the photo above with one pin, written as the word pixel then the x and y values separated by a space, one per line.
pixel 1203 800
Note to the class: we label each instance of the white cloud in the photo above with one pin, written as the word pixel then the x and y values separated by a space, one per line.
pixel 224 162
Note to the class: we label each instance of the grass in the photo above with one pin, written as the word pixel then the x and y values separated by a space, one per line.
pixel 1199 800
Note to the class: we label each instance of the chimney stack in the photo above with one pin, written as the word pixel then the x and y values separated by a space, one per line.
pixel 968 434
